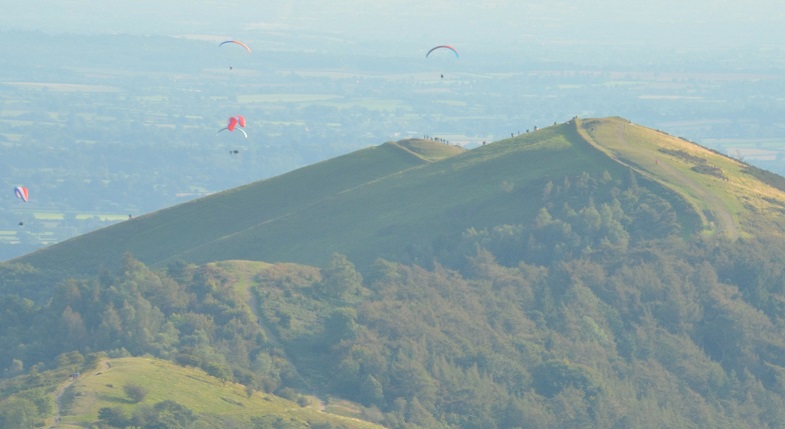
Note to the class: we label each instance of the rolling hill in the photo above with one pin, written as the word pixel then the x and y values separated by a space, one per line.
pixel 595 273
pixel 402 196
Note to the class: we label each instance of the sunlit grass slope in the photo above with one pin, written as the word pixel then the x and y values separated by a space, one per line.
pixel 398 197
pixel 725 192
pixel 171 231
pixel 497 183
pixel 190 387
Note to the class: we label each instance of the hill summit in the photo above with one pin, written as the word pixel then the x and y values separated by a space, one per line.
pixel 396 198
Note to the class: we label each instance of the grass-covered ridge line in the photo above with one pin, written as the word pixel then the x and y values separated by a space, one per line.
pixel 189 225
pixel 728 199
pixel 479 188
pixel 772 179
pixel 403 196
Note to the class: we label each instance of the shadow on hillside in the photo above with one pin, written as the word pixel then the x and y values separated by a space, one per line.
pixel 105 397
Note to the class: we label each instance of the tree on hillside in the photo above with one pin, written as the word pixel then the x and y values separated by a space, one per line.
pixel 18 413
pixel 135 392
pixel 340 279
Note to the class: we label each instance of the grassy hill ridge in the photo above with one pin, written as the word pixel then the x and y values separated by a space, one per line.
pixel 723 191
pixel 404 195
pixel 188 225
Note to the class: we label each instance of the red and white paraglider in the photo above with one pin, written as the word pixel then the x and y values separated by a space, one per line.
pixel 454 51
pixel 439 48
pixel 22 193
pixel 238 43
pixel 232 124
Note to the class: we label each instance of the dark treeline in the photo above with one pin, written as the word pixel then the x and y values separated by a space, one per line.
pixel 596 314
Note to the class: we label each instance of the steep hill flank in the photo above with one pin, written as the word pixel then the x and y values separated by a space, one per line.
pixel 727 194
pixel 167 232
pixel 500 183
pixel 391 200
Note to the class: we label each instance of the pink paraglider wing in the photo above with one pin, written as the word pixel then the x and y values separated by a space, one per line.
pixel 443 47
pixel 22 193
pixel 237 42
pixel 241 121
pixel 232 123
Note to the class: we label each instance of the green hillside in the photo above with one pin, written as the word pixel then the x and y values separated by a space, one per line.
pixel 402 197
pixel 192 388
pixel 168 232
pixel 591 274
pixel 727 194
pixel 206 400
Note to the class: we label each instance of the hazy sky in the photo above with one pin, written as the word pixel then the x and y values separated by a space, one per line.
pixel 496 23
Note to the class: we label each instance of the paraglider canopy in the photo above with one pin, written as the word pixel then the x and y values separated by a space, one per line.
pixel 442 47
pixel 238 43
pixel 22 193
pixel 232 124
pixel 234 121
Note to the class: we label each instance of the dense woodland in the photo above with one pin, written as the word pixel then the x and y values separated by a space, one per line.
pixel 602 312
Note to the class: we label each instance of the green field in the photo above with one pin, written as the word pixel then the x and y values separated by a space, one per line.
pixel 285 98
pixel 64 87
pixel 322 99
pixel 52 215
